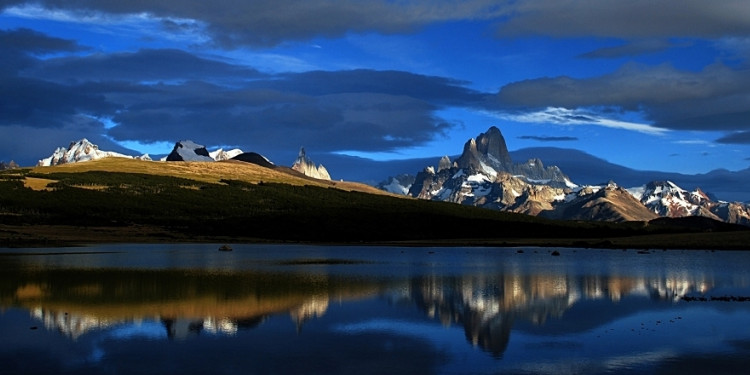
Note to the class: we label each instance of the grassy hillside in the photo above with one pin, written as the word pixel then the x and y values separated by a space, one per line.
pixel 234 201
pixel 202 172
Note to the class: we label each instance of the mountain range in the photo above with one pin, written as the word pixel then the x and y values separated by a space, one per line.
pixel 485 175
pixel 590 170
pixel 185 150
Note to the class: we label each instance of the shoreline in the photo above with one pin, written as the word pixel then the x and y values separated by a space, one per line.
pixel 38 236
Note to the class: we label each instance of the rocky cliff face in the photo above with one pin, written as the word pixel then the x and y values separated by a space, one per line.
pixel 304 165
pixel 487 150
pixel 488 154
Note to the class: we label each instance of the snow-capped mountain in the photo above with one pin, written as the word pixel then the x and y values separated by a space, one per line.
pixel 221 154
pixel 485 175
pixel 488 154
pixel 306 166
pixel 665 198
pixel 600 203
pixel 397 185
pixel 187 150
pixel 79 151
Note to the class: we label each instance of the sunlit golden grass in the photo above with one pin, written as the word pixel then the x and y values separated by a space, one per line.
pixel 211 172
pixel 92 187
pixel 37 184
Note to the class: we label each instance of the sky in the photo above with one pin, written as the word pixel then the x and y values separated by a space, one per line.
pixel 650 85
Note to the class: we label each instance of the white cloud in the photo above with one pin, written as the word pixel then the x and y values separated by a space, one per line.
pixel 692 142
pixel 144 24
pixel 564 116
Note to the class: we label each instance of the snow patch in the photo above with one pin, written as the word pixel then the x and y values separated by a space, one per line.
pixel 537 182
pixel 570 184
pixel 478 178
pixel 487 169
pixel 220 154
pixel 396 188
pixel 637 192
pixel 442 194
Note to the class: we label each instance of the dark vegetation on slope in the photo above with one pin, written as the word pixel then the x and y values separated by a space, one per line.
pixel 273 211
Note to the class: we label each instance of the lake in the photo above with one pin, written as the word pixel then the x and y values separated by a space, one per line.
pixel 270 309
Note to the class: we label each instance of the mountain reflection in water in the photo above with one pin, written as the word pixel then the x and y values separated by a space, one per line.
pixel 490 298
pixel 74 302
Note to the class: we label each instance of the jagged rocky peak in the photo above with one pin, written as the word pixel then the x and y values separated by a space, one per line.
pixel 492 143
pixel 304 165
pixel 10 165
pixel 535 171
pixel 222 154
pixel 445 163
pixel 487 150
pixel 77 151
pixel 187 150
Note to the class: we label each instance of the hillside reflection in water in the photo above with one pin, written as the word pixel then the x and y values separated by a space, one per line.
pixel 271 309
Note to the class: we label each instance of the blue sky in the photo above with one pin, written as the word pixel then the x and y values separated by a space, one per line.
pixel 649 85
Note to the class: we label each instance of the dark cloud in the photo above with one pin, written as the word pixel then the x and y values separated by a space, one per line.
pixel 43 104
pixel 16 144
pixel 260 115
pixel 439 89
pixel 168 95
pixel 636 19
pixel 270 22
pixel 360 110
pixel 712 99
pixel 35 42
pixel 18 47
pixel 629 49
pixel 147 64
pixel 547 139
pixel 742 137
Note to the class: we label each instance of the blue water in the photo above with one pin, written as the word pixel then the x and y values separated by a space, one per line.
pixel 268 309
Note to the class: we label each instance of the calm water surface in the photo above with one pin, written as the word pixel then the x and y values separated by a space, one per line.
pixel 268 309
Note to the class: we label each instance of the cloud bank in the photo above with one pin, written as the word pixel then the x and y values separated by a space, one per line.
pixel 128 97
pixel 715 98
pixel 263 23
